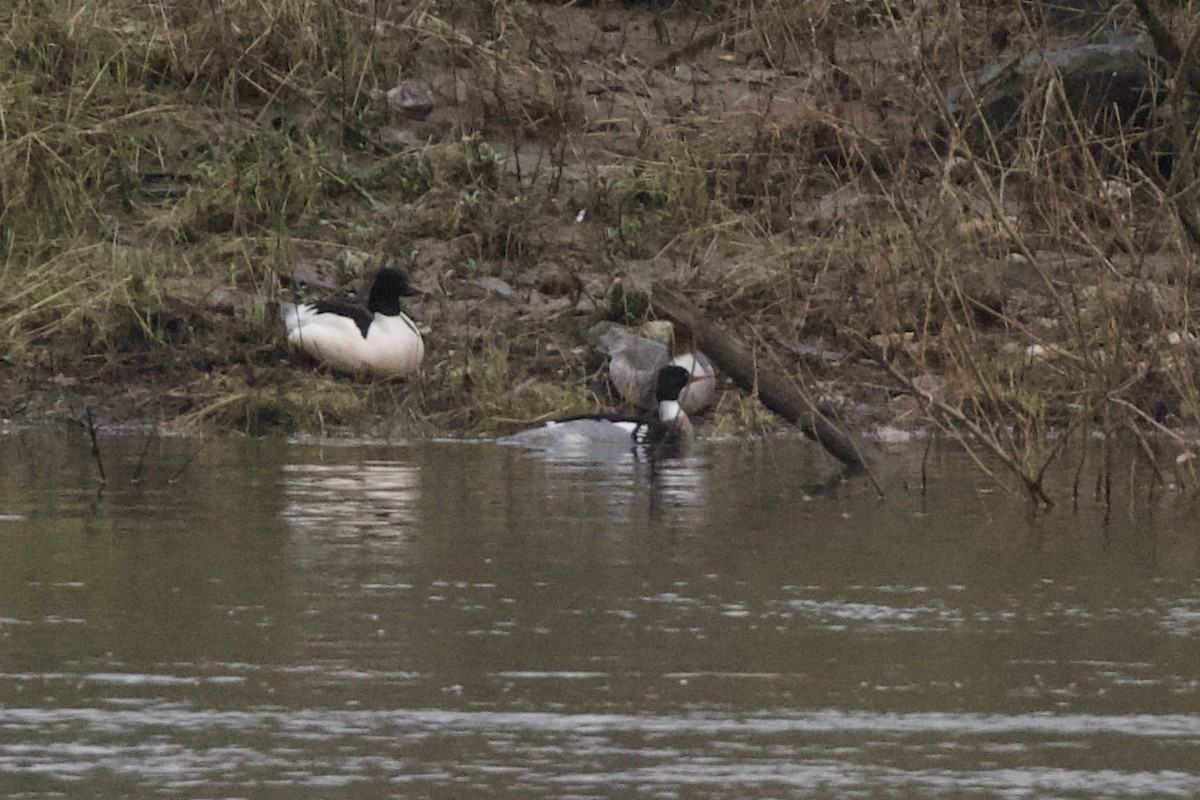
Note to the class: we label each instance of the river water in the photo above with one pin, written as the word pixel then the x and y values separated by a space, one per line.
pixel 271 619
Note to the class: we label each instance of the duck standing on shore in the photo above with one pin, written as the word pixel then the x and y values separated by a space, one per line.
pixel 702 380
pixel 634 362
pixel 379 339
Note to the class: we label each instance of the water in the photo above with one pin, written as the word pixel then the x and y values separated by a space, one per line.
pixel 263 619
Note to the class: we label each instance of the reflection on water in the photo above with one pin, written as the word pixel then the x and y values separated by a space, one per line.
pixel 350 498
pixel 455 619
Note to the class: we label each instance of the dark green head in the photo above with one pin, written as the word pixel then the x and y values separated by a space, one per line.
pixel 671 381
pixel 390 285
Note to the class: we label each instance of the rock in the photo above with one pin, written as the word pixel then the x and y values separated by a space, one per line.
pixel 559 282
pixel 812 351
pixel 413 99
pixel 493 285
pixel 929 385
pixel 1096 77
pixel 317 272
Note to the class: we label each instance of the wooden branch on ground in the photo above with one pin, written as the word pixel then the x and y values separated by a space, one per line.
pixel 740 362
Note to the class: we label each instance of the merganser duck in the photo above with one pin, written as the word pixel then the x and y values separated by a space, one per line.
pixel 379 339
pixel 634 362
pixel 665 435
pixel 672 431
pixel 702 380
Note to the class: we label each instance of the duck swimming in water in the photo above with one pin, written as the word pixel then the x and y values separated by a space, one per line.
pixel 664 435
pixel 379 339
pixel 672 430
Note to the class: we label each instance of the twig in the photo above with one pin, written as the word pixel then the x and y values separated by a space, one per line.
pixel 137 471
pixel 187 463
pixel 95 444
pixel 1030 483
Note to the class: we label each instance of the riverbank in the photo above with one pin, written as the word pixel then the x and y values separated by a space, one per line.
pixel 806 175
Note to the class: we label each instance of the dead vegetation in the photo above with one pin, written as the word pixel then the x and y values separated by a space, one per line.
pixel 985 237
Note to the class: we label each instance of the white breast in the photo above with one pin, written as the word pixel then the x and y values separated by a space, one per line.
pixel 393 345
pixel 698 394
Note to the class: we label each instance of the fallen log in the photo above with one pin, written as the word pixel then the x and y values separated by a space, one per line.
pixel 740 363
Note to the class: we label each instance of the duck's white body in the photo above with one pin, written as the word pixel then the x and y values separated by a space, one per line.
pixel 702 384
pixel 583 434
pixel 379 339
pixel 391 346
